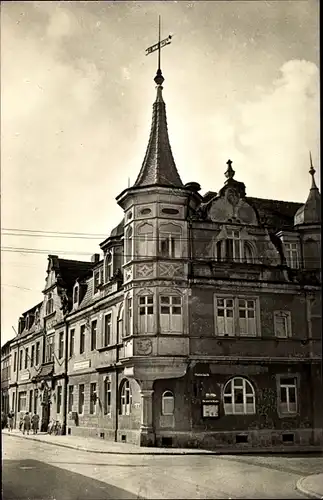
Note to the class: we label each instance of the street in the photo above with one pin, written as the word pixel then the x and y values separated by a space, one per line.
pixel 38 471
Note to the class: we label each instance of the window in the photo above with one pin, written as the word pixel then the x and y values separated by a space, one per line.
pixel 13 400
pixel 233 248
pixel 239 397
pixel 81 398
pixel 129 316
pixel 128 245
pixel 30 409
pixel 171 313
pixel 247 317
pixel 107 329
pixel 32 356
pixel 82 339
pixel 145 241
pixel 146 313
pixel 107 396
pixel 168 403
pixel 20 360
pixel 22 401
pixel 108 266
pixel 282 324
pixel 61 345
pixel 120 333
pixel 15 361
pixel 224 316
pixel 49 349
pixel 287 401
pixel 26 358
pixel 93 334
pixel 236 316
pixel 125 398
pixel 96 280
pixel 70 398
pixel 37 357
pixel 59 399
pixel 291 251
pixel 76 294
pixel 49 304
pixel 72 342
pixel 170 240
pixel 92 398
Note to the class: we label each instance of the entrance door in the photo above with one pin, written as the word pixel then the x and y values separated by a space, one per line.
pixel 45 417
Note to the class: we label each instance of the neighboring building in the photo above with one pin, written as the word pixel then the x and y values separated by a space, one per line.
pixel 200 326
pixel 5 377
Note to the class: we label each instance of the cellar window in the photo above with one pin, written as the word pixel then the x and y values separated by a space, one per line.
pixel 288 438
pixel 167 441
pixel 241 438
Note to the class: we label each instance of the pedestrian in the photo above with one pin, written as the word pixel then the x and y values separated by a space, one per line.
pixel 35 422
pixel 26 425
pixel 21 421
pixel 3 420
pixel 10 420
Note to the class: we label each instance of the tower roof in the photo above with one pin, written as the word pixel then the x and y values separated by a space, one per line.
pixel 310 212
pixel 159 167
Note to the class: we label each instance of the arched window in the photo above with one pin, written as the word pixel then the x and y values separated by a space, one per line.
pixel 125 398
pixel 108 266
pixel 145 241
pixel 247 253
pixel 50 303
pixel 170 241
pixel 120 326
pixel 239 397
pixel 168 403
pixel 128 244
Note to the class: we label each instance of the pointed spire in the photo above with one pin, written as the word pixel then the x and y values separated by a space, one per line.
pixel 229 172
pixel 310 212
pixel 312 172
pixel 159 166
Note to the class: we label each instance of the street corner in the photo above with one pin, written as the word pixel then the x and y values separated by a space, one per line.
pixel 311 486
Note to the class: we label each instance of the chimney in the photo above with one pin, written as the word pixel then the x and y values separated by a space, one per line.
pixel 95 258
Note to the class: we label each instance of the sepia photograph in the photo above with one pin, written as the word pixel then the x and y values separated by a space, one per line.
pixel 161 313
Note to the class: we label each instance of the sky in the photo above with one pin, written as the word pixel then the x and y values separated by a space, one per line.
pixel 241 82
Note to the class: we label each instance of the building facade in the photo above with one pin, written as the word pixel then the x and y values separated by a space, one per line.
pixel 199 325
pixel 5 377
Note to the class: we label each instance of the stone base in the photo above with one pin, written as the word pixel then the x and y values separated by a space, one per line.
pixel 147 438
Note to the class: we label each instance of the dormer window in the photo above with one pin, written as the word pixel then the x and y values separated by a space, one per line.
pixel 76 294
pixel 291 253
pixel 97 280
pixel 234 248
pixel 108 266
pixel 29 321
pixel 49 304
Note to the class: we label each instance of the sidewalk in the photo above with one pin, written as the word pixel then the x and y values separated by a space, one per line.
pixel 311 486
pixel 96 445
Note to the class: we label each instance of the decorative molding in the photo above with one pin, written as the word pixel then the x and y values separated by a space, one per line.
pixel 170 269
pixel 143 347
pixel 144 270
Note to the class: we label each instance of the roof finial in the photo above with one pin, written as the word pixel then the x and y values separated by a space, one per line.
pixel 312 172
pixel 159 79
pixel 230 172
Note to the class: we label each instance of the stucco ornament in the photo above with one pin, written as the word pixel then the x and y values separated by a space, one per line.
pixel 144 346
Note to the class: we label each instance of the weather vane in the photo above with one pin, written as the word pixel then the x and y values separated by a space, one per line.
pixel 159 45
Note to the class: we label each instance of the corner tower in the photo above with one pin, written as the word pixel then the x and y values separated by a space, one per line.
pixel 156 256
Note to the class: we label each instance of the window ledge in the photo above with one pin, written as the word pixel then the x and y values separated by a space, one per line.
pixel 106 347
pixel 49 315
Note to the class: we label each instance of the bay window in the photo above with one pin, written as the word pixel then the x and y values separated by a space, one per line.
pixel 171 317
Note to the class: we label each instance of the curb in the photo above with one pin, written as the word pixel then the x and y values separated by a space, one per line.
pixel 175 453
pixel 80 448
pixel 305 491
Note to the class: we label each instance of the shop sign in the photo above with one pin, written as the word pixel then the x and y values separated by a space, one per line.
pixel 202 370
pixel 210 408
pixel 81 365
pixel 24 376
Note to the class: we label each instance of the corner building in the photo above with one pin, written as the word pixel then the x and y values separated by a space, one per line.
pixel 201 324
